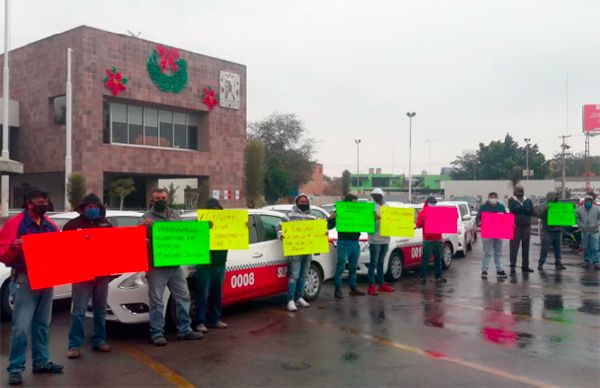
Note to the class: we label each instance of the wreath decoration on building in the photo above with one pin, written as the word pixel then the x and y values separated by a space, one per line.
pixel 167 70
pixel 115 81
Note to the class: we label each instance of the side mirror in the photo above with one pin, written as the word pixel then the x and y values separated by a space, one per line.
pixel 466 217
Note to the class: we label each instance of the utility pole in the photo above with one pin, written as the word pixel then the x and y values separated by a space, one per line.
pixel 527 140
pixel 410 117
pixel 5 180
pixel 357 141
pixel 68 130
pixel 564 146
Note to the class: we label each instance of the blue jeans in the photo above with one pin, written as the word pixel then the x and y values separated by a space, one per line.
pixel 96 289
pixel 31 316
pixel 590 247
pixel 378 252
pixel 551 239
pixel 172 277
pixel 209 293
pixel 297 271
pixel 346 250
pixel 492 246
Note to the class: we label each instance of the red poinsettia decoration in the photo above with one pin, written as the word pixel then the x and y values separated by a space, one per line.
pixel 209 97
pixel 168 58
pixel 114 81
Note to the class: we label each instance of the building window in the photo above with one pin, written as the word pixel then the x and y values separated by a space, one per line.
pixel 59 107
pixel 151 127
pixel 135 121
pixel 118 113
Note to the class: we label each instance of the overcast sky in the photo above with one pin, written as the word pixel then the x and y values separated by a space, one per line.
pixel 472 70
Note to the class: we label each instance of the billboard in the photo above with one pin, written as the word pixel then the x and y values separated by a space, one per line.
pixel 591 119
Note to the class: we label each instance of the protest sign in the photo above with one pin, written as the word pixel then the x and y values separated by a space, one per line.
pixel 561 214
pixel 498 225
pixel 304 237
pixel 441 219
pixel 355 216
pixel 229 229
pixel 397 221
pixel 180 243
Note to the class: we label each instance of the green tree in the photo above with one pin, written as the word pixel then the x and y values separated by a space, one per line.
pixel 171 194
pixel 254 172
pixel 122 188
pixel 277 181
pixel 346 182
pixel 574 165
pixel 76 189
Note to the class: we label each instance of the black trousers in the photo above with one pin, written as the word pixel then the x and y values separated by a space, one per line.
pixel 522 237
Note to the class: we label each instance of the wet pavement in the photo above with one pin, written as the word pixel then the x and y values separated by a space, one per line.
pixel 541 329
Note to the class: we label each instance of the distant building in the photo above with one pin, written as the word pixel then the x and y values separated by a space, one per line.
pixel 396 183
pixel 316 185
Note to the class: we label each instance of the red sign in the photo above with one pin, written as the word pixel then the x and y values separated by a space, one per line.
pixel 498 225
pixel 441 219
pixel 591 118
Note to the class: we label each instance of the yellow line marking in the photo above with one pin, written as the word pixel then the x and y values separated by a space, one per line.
pixel 169 374
pixel 422 352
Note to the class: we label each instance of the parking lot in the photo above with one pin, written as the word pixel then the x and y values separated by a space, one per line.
pixel 536 330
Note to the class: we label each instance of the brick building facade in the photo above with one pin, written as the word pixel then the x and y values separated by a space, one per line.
pixel 144 133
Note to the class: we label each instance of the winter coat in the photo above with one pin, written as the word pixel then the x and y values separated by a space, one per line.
pixel 588 219
pixel 377 238
pixel 522 209
pixel 421 224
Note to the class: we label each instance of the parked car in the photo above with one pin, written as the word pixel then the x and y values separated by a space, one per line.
pixel 316 211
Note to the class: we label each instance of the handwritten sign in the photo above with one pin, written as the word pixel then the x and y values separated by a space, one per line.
pixel 180 243
pixel 54 259
pixel 561 214
pixel 397 221
pixel 497 225
pixel 229 230
pixel 441 219
pixel 305 237
pixel 355 217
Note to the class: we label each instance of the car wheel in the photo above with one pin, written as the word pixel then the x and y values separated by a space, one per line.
pixel 395 267
pixel 312 282
pixel 6 302
pixel 446 256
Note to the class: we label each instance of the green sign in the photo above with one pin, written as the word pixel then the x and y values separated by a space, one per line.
pixel 180 243
pixel 355 217
pixel 561 214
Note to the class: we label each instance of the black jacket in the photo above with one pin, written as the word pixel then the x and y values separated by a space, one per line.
pixel 523 210
pixel 343 235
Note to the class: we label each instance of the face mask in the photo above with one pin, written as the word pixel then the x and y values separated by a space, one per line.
pixel 493 201
pixel 92 213
pixel 40 210
pixel 519 195
pixel 587 204
pixel 160 205
pixel 378 198
pixel 304 207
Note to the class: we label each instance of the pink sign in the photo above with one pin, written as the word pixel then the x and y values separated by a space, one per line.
pixel 497 225
pixel 591 118
pixel 441 219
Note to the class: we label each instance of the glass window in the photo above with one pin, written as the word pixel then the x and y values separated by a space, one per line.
pixel 151 126
pixel 135 120
pixel 269 224
pixel 192 129
pixel 59 106
pixel 166 128
pixel 123 221
pixel 252 229
pixel 317 213
pixel 106 120
pixel 119 123
pixel 179 130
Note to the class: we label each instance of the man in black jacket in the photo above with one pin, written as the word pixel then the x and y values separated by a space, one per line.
pixel 522 208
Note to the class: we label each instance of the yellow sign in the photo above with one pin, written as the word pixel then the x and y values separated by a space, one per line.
pixel 397 222
pixel 304 237
pixel 229 228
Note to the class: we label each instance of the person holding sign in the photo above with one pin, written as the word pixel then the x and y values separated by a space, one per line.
pixel 588 219
pixel 491 246
pixel 298 265
pixel 378 247
pixel 432 244
pixel 209 286
pixel 32 308
pixel 348 249
pixel 161 277
pixel 522 208
pixel 552 235
pixel 91 215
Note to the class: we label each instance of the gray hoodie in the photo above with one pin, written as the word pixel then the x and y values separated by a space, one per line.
pixel 376 238
pixel 588 219
pixel 295 214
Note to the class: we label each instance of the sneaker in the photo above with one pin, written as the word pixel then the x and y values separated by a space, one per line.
pixel 159 341
pixel 501 275
pixel 191 336
pixel 302 303
pixel 385 288
pixel 560 266
pixel 338 293
pixel 291 306
pixel 372 290
pixel 527 270
pixel 541 267
pixel 104 348
pixel 513 271
pixel 356 292
pixel 441 279
pixel 423 279
pixel 201 328
pixel 597 267
pixel 49 368
pixel 73 353
pixel 217 325
pixel 484 275
pixel 15 378
pixel 586 265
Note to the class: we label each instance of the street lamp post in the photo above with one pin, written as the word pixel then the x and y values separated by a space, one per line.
pixel 410 117
pixel 527 140
pixel 357 141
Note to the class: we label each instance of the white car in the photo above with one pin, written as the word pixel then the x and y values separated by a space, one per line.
pixel 316 211
pixel 257 272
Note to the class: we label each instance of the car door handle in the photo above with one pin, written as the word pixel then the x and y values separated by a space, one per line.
pixel 257 255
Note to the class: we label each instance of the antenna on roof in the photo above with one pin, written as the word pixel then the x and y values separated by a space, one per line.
pixel 134 35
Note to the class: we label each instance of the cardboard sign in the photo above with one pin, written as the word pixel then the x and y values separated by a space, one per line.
pixel 355 217
pixel 497 225
pixel 55 259
pixel 180 243
pixel 229 230
pixel 561 214
pixel 441 219
pixel 305 237
pixel 397 222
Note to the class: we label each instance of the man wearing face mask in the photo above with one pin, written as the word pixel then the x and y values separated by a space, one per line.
pixel 552 235
pixel 32 308
pixel 91 215
pixel 588 220
pixel 522 208
pixel 492 246
pixel 378 247
pixel 161 277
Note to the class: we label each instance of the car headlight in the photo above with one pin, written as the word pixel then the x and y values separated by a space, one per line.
pixel 136 280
